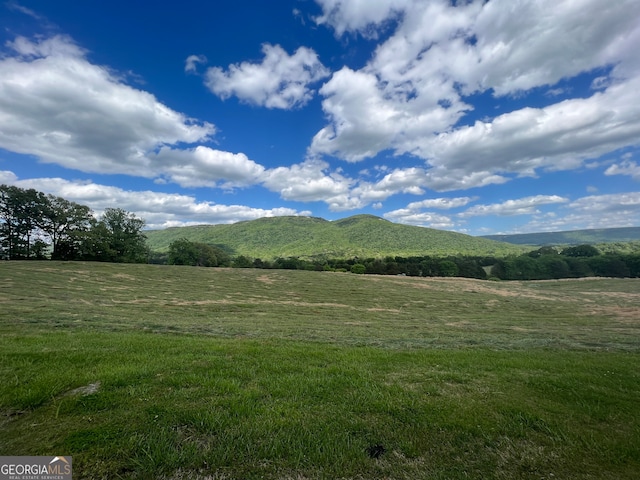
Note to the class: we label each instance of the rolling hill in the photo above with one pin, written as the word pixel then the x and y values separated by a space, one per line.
pixel 311 237
pixel 572 237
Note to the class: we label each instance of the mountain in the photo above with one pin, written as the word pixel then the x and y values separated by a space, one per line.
pixel 311 237
pixel 572 237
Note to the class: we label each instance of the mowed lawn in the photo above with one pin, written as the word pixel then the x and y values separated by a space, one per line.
pixel 158 372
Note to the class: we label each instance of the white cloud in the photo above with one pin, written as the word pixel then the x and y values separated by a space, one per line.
pixel 160 210
pixel 313 180
pixel 56 105
pixel 595 211
pixel 627 167
pixel 443 179
pixel 206 167
pixel 520 206
pixel 192 61
pixel 558 137
pixel 27 11
pixel 401 180
pixel 7 177
pixel 366 119
pixel 441 203
pixel 306 182
pixel 413 214
pixel 616 203
pixel 523 44
pixel 361 16
pixel 411 96
pixel 280 81
pixel 514 44
pixel 409 216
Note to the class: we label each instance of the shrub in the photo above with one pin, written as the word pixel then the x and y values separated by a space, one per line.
pixel 358 268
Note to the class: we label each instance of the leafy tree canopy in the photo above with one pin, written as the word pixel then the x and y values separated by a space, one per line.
pixel 32 223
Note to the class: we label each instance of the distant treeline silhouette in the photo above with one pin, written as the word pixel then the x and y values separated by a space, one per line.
pixel 540 264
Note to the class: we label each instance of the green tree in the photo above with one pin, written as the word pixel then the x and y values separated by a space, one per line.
pixel 118 237
pixel 469 268
pixel 20 221
pixel 578 267
pixel 581 251
pixel 358 268
pixel 522 267
pixel 448 268
pixel 242 262
pixel 609 266
pixel 185 252
pixel 429 267
pixel 182 252
pixel 66 224
pixel 633 263
pixel 543 251
pixel 554 266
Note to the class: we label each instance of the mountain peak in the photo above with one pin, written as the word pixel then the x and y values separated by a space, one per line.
pixel 311 237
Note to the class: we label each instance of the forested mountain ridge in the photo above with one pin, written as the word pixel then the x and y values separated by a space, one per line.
pixel 312 237
pixel 571 237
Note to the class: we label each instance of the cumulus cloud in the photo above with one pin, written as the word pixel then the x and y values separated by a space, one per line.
pixel 308 181
pixel 616 203
pixel 313 180
pixel 7 177
pixel 558 137
pixel 160 210
pixel 205 167
pixel 520 206
pixel 411 97
pixel 409 216
pixel 280 81
pixel 444 179
pixel 359 15
pixel 58 106
pixel 594 211
pixel 365 119
pixel 627 167
pixel 414 213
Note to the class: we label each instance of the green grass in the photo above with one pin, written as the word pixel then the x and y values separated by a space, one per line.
pixel 225 374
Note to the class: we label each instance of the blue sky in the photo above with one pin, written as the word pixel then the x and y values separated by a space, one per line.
pixel 483 117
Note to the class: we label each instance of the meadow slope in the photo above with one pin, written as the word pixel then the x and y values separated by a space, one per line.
pixel 143 371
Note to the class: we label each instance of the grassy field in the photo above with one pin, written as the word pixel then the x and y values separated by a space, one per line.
pixel 157 372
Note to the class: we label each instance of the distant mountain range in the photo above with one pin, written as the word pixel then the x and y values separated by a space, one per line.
pixel 367 236
pixel 362 236
pixel 572 237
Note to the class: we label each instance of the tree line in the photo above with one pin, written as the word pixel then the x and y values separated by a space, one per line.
pixel 34 225
pixel 541 264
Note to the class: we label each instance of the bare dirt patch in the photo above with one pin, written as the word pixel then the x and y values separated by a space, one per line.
pixel 124 276
pixel 625 315
pixel 268 279
pixel 469 285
